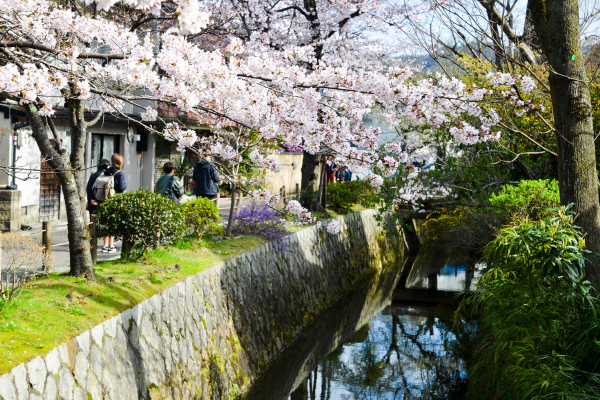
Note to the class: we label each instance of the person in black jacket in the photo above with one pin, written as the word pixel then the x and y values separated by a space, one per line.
pixel 92 203
pixel 205 178
pixel 116 170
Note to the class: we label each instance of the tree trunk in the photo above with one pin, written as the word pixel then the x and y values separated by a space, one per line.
pixel 310 166
pixel 231 212
pixel 78 139
pixel 322 183
pixel 556 24
pixel 78 233
pixel 497 44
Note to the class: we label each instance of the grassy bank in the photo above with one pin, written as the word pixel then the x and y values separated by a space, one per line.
pixel 57 307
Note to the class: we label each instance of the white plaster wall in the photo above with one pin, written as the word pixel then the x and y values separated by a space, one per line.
pixel 28 156
pixel 288 176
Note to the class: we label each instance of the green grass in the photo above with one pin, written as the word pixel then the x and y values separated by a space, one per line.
pixel 57 307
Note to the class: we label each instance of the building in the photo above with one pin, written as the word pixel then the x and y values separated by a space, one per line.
pixel 40 198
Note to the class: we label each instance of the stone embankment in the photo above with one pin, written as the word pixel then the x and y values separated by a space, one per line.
pixel 211 335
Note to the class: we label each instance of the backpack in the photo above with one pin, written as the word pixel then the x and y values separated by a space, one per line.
pixel 169 192
pixel 104 187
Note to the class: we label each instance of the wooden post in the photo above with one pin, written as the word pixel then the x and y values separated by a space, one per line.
pixel 218 200
pixel 239 200
pixel 47 236
pixel 322 182
pixel 284 197
pixel 231 212
pixel 93 238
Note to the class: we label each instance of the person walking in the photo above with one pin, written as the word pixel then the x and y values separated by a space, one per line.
pixel 330 169
pixel 169 184
pixel 206 178
pixel 92 203
pixel 116 171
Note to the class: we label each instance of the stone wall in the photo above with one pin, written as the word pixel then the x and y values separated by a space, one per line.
pixel 10 210
pixel 210 336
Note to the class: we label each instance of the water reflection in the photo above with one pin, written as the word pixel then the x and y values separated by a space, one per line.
pixel 384 340
pixel 452 278
pixel 406 353
pixel 436 269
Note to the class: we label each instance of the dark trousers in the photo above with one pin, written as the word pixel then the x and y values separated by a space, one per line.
pixel 207 196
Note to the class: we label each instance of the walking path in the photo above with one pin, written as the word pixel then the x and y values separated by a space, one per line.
pixel 60 254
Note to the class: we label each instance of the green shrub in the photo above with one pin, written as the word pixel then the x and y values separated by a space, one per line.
pixel 344 195
pixel 541 332
pixel 527 200
pixel 142 218
pixel 202 215
pixel 340 195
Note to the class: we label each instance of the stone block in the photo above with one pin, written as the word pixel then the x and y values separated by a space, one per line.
pixel 7 389
pixel 81 371
pixel 66 384
pixel 51 390
pixel 10 210
pixel 20 375
pixel 37 374
pixel 97 333
pixel 83 341
pixel 10 195
pixel 8 226
pixel 52 362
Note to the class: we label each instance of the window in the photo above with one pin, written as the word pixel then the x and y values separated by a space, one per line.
pixel 104 146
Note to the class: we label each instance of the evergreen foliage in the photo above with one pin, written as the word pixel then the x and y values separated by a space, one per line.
pixel 202 215
pixel 531 200
pixel 541 332
pixel 142 218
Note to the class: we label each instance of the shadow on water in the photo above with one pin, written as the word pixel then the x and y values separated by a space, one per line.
pixel 383 340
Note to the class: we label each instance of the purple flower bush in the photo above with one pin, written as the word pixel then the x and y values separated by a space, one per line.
pixel 260 220
pixel 290 148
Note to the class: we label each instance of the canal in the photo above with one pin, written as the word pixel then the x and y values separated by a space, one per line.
pixel 391 337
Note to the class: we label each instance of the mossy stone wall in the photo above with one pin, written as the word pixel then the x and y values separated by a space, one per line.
pixel 210 336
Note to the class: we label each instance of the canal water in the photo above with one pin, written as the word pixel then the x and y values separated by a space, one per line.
pixel 391 337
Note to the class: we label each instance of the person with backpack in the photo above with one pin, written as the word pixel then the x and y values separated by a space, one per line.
pixel 92 203
pixel 206 177
pixel 169 184
pixel 106 186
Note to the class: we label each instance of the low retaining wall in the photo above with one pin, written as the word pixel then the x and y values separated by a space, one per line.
pixel 210 336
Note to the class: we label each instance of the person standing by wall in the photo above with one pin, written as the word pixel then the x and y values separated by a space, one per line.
pixel 206 178
pixel 92 203
pixel 330 169
pixel 116 171
pixel 169 184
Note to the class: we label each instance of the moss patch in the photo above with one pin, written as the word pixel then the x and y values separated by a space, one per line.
pixel 57 307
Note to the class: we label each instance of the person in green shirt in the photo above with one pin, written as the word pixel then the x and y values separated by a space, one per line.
pixel 169 184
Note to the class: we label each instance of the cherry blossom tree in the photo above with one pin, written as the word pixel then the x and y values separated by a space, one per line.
pixel 554 43
pixel 54 55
